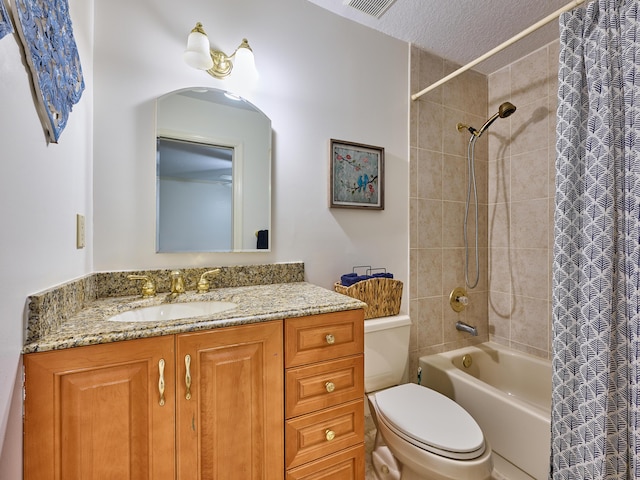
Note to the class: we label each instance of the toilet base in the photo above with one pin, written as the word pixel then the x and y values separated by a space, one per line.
pixel 413 463
pixel 387 467
pixel 384 464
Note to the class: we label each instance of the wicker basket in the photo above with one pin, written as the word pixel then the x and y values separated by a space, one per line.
pixel 382 296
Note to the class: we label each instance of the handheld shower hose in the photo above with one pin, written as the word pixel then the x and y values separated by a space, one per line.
pixel 504 111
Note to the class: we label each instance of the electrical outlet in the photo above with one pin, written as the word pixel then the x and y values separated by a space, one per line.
pixel 80 231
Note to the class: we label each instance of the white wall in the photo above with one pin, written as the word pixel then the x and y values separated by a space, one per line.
pixel 322 77
pixel 42 188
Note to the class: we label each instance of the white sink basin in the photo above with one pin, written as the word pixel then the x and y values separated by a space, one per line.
pixel 172 311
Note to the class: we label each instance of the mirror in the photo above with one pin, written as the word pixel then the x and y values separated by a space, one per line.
pixel 213 173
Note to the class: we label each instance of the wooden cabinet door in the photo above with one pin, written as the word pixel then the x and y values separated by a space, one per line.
pixel 95 412
pixel 231 424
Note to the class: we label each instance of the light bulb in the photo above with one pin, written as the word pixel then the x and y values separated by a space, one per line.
pixel 197 54
pixel 244 65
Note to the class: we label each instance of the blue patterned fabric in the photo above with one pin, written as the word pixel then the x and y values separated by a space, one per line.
pixel 5 23
pixel 47 35
pixel 595 425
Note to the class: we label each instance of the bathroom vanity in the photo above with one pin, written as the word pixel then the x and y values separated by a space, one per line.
pixel 272 388
pixel 141 403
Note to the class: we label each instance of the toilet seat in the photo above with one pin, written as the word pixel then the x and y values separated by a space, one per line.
pixel 431 421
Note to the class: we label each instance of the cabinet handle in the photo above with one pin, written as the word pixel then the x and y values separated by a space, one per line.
pixel 187 377
pixel 161 381
pixel 330 339
pixel 330 435
pixel 330 386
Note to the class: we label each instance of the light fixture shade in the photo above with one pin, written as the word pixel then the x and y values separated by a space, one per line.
pixel 244 65
pixel 198 52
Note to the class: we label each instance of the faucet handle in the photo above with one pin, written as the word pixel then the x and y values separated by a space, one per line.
pixel 148 288
pixel 463 300
pixel 203 284
pixel 458 299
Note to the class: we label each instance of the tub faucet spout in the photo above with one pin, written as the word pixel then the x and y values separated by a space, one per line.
pixel 463 327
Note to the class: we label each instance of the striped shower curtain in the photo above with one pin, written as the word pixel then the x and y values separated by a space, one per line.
pixel 595 424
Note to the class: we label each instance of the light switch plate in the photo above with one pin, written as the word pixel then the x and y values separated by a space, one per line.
pixel 80 235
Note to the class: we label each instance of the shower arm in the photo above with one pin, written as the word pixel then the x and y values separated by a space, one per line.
pixel 473 131
pixel 505 110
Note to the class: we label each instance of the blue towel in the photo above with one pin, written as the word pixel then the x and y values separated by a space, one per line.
pixel 349 279
pixel 263 239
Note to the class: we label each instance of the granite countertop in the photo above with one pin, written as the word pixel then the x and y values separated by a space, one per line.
pixel 257 303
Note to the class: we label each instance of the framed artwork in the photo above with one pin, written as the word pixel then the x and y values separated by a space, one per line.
pixel 44 27
pixel 356 176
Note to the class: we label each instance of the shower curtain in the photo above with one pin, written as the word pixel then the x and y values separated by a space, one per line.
pixel 595 423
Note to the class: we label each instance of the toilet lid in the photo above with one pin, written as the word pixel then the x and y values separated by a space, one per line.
pixel 430 421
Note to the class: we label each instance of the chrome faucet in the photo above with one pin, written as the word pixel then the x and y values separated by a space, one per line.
pixel 463 327
pixel 177 283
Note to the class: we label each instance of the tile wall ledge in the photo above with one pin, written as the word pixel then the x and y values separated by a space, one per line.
pixel 48 309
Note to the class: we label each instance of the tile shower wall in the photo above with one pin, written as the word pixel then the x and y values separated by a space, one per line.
pixel 515 175
pixel 438 191
pixel 521 202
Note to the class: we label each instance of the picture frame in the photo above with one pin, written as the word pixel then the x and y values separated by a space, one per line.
pixel 356 175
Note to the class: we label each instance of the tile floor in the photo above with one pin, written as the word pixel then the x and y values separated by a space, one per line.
pixel 369 437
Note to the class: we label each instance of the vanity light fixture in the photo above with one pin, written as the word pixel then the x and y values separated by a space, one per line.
pixel 200 55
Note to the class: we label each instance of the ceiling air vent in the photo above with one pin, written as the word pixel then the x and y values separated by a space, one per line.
pixel 375 8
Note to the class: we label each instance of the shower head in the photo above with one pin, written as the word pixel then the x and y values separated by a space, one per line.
pixel 504 111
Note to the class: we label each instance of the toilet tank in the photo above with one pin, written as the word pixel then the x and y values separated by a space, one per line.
pixel 386 351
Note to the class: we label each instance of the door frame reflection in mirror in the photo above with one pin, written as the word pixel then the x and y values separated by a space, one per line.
pixel 207 116
pixel 174 232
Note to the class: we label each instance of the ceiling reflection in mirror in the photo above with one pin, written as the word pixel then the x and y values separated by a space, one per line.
pixel 213 182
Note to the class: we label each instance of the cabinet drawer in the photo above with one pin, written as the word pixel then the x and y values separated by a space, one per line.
pixel 345 465
pixel 323 337
pixel 323 385
pixel 312 436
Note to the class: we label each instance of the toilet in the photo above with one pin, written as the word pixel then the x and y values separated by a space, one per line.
pixel 421 434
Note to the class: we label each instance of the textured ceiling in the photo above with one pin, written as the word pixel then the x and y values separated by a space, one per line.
pixel 462 30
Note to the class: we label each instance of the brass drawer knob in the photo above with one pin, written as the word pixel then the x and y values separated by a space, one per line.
pixel 330 339
pixel 330 386
pixel 330 435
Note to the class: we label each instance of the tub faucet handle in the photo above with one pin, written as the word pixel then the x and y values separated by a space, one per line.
pixel 458 299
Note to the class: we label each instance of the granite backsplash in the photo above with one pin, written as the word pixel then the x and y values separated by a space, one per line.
pixel 50 308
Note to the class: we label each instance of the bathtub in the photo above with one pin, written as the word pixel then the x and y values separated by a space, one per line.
pixel 509 395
